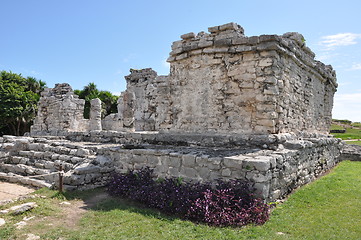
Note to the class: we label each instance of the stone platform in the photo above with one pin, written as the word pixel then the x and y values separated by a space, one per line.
pixel 274 167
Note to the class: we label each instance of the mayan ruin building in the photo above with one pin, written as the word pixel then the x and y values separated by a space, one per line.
pixel 255 108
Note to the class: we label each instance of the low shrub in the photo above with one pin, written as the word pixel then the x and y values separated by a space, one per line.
pixel 221 204
pixel 229 203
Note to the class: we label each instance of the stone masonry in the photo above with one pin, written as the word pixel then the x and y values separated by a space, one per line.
pixel 60 110
pixel 223 81
pixel 254 108
pixel 219 82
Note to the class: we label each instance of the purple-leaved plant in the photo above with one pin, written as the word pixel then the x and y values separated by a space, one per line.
pixel 228 203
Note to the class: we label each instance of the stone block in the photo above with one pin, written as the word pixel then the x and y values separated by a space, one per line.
pixel 140 159
pixel 262 190
pixel 82 152
pixel 258 177
pixel 205 43
pixel 188 172
pixel 230 26
pixel 188 160
pixel 26 153
pixel 34 146
pixel 233 162
pixel 153 160
pixel 101 160
pixel 222 42
pixel 261 163
pixel 226 172
pixel 175 161
pixel 214 29
pixel 203 173
pixel 86 168
pixel 173 171
pixel 161 170
pixel 214 175
pixel 188 36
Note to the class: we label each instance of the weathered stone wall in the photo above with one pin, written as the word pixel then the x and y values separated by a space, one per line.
pixel 219 82
pixel 351 152
pixel 151 99
pixel 34 161
pixel 60 110
pixel 95 118
pixel 272 172
pixel 226 82
pixel 114 121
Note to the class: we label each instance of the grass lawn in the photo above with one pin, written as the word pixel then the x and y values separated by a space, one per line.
pixel 356 124
pixel 351 133
pixel 336 127
pixel 329 208
pixel 354 142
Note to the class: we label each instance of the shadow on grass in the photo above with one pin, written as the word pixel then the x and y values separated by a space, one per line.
pixel 99 200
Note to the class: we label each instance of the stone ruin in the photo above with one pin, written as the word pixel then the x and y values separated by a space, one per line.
pixel 254 108
pixel 60 110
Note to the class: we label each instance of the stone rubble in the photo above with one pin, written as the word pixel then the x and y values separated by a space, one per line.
pixel 39 156
pixel 19 209
pixel 351 152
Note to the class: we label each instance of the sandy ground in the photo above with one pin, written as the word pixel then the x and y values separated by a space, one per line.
pixel 10 191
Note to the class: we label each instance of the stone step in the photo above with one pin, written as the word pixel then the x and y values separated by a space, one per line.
pixel 29 157
pixel 40 163
pixel 23 169
pixel 15 178
pixel 48 175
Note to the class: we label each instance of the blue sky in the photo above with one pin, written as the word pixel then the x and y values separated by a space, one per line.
pixel 82 41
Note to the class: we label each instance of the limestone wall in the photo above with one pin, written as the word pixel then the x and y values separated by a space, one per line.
pixel 273 173
pixel 226 82
pixel 60 110
pixel 151 99
pixel 219 82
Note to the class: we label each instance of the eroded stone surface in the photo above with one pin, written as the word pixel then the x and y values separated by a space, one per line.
pixel 219 82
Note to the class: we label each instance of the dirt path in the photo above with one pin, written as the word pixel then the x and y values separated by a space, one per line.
pixel 74 210
pixel 11 191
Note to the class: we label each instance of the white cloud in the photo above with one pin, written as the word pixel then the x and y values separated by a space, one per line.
pixel 326 55
pixel 342 84
pixel 356 66
pixel 347 106
pixel 118 72
pixel 340 39
pixel 116 93
pixel 165 63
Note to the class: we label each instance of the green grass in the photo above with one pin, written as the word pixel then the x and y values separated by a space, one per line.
pixel 349 134
pixel 328 208
pixel 353 142
pixel 356 124
pixel 336 127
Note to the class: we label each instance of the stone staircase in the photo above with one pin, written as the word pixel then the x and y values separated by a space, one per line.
pixel 36 162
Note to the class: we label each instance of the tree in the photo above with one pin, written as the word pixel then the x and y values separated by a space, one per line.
pixel 18 102
pixel 89 92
